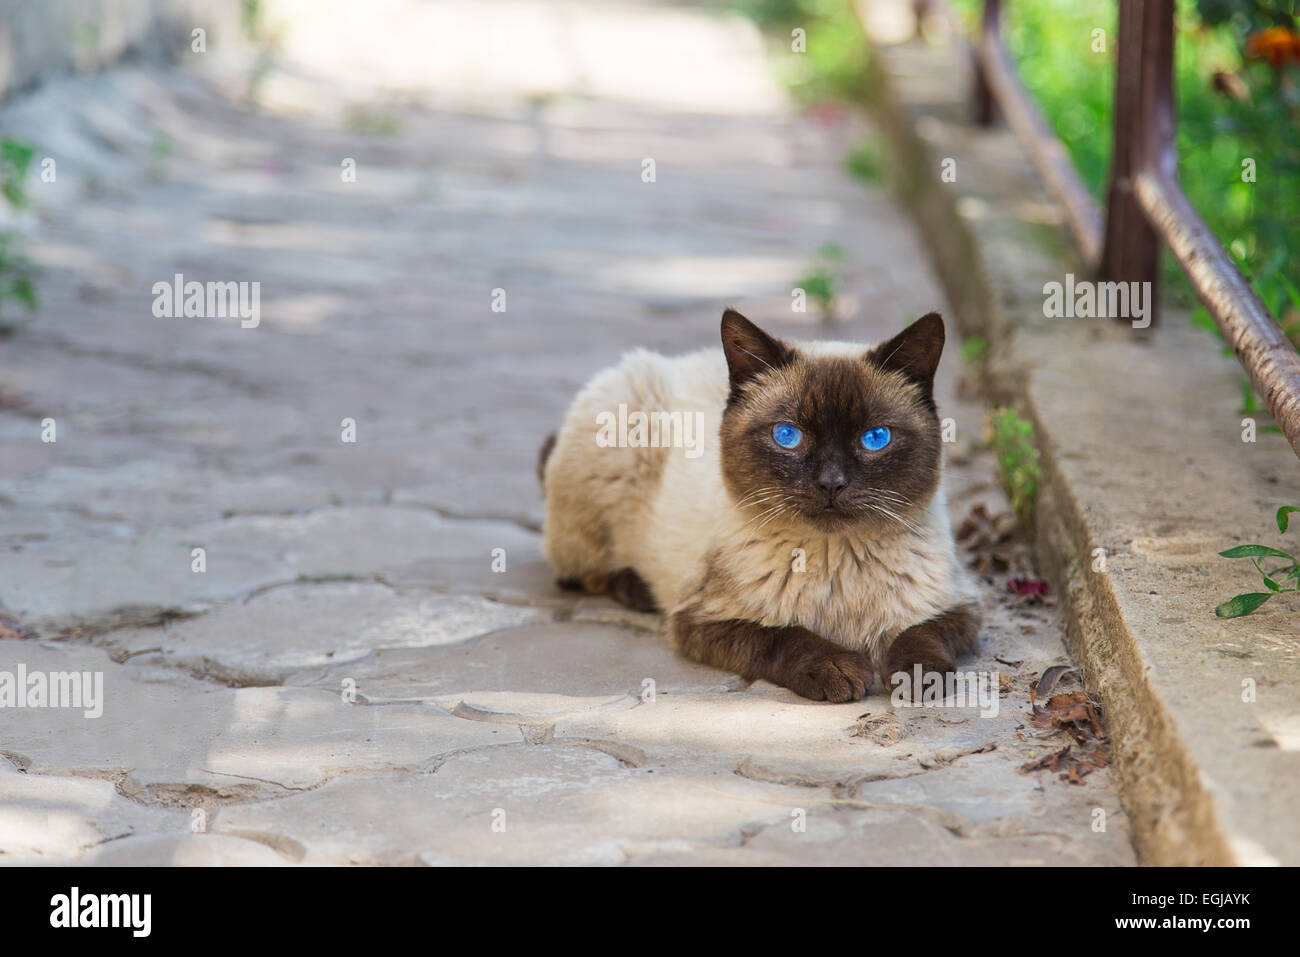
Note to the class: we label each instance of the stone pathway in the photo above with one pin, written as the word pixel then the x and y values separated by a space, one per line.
pixel 374 666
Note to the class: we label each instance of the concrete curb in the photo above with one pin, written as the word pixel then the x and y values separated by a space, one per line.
pixel 1199 773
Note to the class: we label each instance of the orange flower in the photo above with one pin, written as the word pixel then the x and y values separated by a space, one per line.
pixel 1276 45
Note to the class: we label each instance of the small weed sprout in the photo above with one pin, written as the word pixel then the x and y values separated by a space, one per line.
pixel 16 272
pixel 820 282
pixel 1012 441
pixel 973 349
pixel 1275 579
pixel 865 163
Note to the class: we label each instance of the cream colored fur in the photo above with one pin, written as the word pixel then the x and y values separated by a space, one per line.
pixel 671 518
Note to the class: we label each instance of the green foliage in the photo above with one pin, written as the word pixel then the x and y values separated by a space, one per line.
pixel 1242 604
pixel 162 150
pixel 265 36
pixel 1284 516
pixel 1249 16
pixel 15 159
pixel 1202 319
pixel 820 282
pixel 820 287
pixel 1232 106
pixel 832 252
pixel 1012 441
pixel 835 63
pixel 162 146
pixel 366 121
pixel 252 18
pixel 1250 404
pixel 973 349
pixel 778 13
pixel 1275 578
pixel 865 162
pixel 17 275
pixel 87 34
pixel 1052 44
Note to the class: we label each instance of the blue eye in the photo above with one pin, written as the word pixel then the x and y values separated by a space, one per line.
pixel 786 435
pixel 876 439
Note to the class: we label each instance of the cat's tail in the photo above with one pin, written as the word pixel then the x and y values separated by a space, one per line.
pixel 543 455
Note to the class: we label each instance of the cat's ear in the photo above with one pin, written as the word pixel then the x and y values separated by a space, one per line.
pixel 914 352
pixel 749 350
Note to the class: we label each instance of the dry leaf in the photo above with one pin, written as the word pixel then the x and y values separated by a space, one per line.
pixel 1047 681
pixel 1049 762
pixel 1074 711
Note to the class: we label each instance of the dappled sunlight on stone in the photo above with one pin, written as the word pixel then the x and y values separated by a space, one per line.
pixel 691 276
pixel 1282 727
pixel 658 56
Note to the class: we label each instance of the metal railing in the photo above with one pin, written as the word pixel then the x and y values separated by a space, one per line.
pixel 1145 204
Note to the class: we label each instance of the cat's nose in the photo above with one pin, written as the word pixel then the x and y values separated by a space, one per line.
pixel 831 480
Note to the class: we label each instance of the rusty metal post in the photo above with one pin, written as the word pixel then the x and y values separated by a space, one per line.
pixel 1144 140
pixel 982 95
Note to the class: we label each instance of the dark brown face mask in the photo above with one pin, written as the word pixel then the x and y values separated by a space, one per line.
pixel 832 441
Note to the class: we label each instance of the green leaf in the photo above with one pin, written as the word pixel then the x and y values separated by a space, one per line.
pixel 1252 551
pixel 819 286
pixel 23 290
pixel 974 348
pixel 1202 319
pixel 17 154
pixel 1291 291
pixel 1283 514
pixel 15 157
pixel 864 163
pixel 1242 604
pixel 1249 400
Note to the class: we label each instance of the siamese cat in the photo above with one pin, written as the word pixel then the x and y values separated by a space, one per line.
pixel 805 542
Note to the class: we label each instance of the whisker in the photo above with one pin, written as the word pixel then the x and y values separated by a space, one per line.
pixel 911 526
pixel 753 493
pixel 767 514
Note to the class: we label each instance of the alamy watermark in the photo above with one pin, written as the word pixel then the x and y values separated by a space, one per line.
pixel 212 300
pixel 74 909
pixel 952 689
pixel 53 689
pixel 654 430
pixel 1084 299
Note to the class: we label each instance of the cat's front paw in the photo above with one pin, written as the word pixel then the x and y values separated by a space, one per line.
pixel 836 677
pixel 909 652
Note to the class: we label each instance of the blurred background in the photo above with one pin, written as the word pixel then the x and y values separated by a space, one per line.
pixel 460 198
pixel 1237 84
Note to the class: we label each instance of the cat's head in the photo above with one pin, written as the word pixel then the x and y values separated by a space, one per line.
pixel 828 437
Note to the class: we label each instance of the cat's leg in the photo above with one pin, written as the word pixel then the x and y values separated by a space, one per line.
pixel 544 456
pixel 935 644
pixel 790 656
pixel 625 586
pixel 576 538
pixel 629 588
